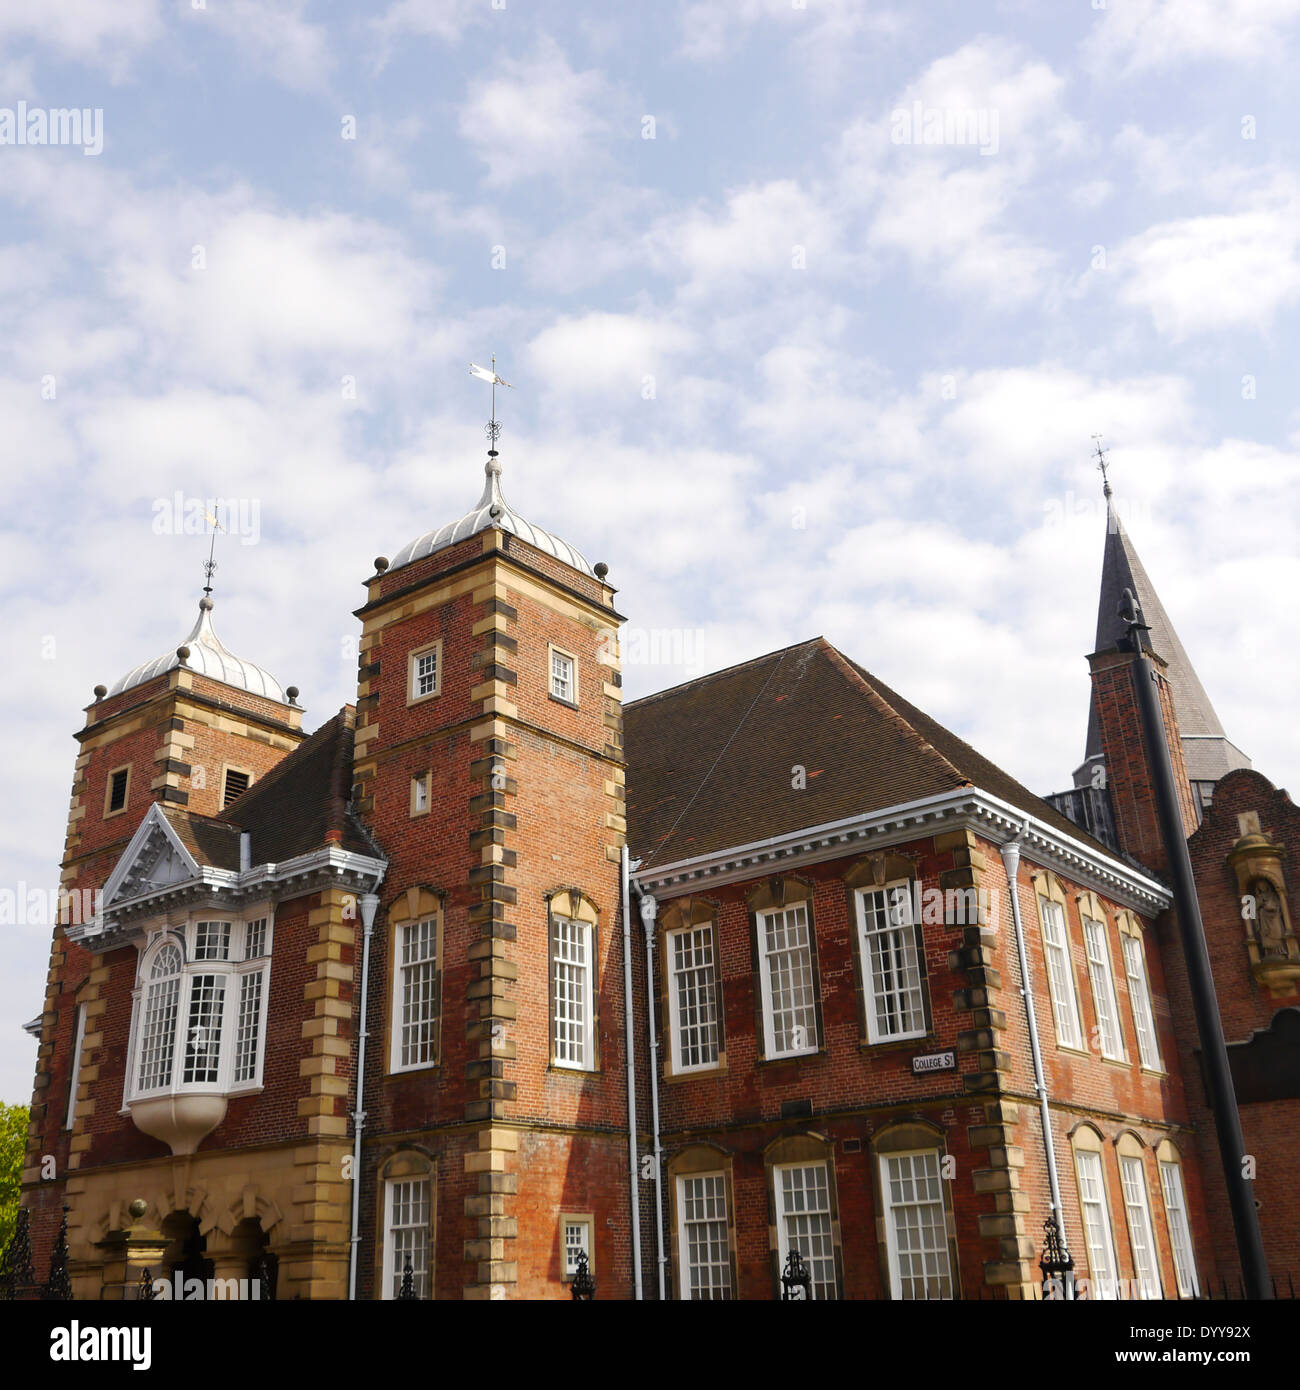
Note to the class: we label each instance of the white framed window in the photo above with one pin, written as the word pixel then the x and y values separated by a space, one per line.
pixel 78 1039
pixel 1180 1233
pixel 406 1235
pixel 1109 1036
pixel 703 1236
pixel 892 980
pixel 571 994
pixel 1060 973
pixel 693 1002
pixel 420 794
pixel 1141 1235
pixel 1139 993
pixel 787 982
pixel 575 1233
pixel 916 1226
pixel 415 995
pixel 1102 1265
pixel 199 1017
pixel 425 673
pixel 803 1222
pixel 564 676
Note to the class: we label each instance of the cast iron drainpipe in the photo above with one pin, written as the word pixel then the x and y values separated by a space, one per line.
pixel 634 1181
pixel 1010 852
pixel 649 909
pixel 369 906
pixel 1200 978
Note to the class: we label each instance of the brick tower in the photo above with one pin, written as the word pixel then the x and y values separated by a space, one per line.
pixel 489 768
pixel 191 729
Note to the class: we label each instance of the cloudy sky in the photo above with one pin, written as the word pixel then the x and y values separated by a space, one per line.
pixel 811 308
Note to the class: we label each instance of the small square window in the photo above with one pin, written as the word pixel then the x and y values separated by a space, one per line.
pixel 425 673
pixel 576 1231
pixel 118 783
pixel 564 684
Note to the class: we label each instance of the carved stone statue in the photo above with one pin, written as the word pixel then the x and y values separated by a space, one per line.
pixel 1270 924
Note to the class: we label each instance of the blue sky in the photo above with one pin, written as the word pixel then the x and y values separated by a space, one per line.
pixel 784 370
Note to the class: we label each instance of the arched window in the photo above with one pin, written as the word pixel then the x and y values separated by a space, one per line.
pixel 1094 1205
pixel 804 1209
pixel 1174 1194
pixel 200 1012
pixel 1137 1209
pixel 1139 991
pixel 415 922
pixel 1054 921
pixel 784 937
pixel 692 988
pixel 891 954
pixel 702 1217
pixel 918 1233
pixel 409 1197
pixel 573 984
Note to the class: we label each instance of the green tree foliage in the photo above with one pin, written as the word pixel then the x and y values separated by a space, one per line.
pixel 13 1144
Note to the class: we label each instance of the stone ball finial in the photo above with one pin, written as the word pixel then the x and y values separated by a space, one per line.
pixel 381 563
pixel 205 605
pixel 183 653
pixel 101 691
pixel 138 1208
pixel 292 693
pixel 601 568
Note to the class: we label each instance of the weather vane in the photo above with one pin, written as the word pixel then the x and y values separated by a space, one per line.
pixel 1102 466
pixel 210 564
pixel 493 430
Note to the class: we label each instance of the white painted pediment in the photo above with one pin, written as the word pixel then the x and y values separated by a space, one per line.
pixel 154 859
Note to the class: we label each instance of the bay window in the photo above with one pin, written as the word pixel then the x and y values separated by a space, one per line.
pixel 199 1019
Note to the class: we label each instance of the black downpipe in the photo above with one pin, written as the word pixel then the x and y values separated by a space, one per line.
pixel 1205 1003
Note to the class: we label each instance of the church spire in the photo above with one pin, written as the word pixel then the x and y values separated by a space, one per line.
pixel 1209 753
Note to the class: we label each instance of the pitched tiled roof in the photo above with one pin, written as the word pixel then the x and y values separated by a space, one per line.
pixel 299 806
pixel 1206 748
pixel 712 763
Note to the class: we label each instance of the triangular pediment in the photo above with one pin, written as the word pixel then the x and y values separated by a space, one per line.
pixel 155 858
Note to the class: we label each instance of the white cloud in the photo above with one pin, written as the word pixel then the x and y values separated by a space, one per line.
pixel 605 353
pixel 952 161
pixel 714 29
pixel 536 116
pixel 1134 36
pixel 762 230
pixel 444 20
pixel 89 31
pixel 276 37
pixel 1217 271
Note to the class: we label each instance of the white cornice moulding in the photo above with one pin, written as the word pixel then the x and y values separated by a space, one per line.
pixel 987 815
pixel 210 883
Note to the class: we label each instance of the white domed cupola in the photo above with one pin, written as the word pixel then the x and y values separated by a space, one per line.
pixel 492 510
pixel 206 654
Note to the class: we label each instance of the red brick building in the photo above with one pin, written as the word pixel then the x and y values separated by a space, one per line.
pixel 492 976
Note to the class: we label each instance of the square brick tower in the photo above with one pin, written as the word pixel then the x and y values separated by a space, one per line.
pixel 190 730
pixel 489 768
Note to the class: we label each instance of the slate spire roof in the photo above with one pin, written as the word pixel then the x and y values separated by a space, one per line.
pixel 1206 748
pixel 710 762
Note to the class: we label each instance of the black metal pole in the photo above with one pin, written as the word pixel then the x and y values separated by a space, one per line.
pixel 1205 1003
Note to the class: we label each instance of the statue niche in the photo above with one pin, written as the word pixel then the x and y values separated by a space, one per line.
pixel 1271 946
